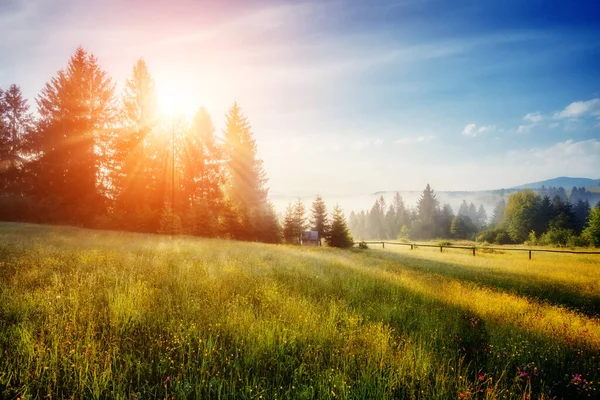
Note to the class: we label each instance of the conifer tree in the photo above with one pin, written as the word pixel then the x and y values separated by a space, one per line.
pixel 481 220
pixel 202 176
pixel 338 235
pixel 16 123
pixel 427 210
pixel 318 217
pixel 498 214
pixel 294 222
pixel 76 110
pixel 134 181
pixel 591 233
pixel 246 178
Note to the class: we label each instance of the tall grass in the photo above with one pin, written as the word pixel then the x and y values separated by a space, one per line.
pixel 90 314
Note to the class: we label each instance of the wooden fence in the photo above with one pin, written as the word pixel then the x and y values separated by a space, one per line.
pixel 475 248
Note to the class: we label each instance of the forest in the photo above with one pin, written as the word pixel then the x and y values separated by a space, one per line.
pixel 545 217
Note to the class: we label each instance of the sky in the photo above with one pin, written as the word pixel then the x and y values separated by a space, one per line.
pixel 352 97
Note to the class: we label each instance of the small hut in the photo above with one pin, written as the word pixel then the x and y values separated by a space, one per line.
pixel 310 238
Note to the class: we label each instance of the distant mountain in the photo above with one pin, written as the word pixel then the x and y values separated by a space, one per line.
pixel 564 181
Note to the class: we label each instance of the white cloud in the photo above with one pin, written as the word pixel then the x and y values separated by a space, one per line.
pixel 535 117
pixel 415 139
pixel 473 131
pixel 524 128
pixel 580 109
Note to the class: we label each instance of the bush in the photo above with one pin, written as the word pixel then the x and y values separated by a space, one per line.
pixel 532 240
pixel 502 237
pixel 494 235
pixel 363 245
pixel 558 237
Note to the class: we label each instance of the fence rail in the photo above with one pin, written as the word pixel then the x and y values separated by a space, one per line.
pixel 475 248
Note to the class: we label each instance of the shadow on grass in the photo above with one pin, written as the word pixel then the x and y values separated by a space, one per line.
pixel 522 284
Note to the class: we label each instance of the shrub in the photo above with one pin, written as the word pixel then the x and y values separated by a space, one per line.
pixel 532 240
pixel 557 237
pixel 502 237
pixel 363 245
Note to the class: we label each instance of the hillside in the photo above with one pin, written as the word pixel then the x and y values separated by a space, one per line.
pixel 96 314
pixel 564 181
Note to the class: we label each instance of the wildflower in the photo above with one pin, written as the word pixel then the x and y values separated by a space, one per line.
pixel 167 379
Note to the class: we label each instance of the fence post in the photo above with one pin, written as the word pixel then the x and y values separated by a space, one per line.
pixel 383 245
pixel 441 247
pixel 411 246
pixel 530 254
pixel 473 251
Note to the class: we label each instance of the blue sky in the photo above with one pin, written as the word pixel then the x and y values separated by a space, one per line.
pixel 353 97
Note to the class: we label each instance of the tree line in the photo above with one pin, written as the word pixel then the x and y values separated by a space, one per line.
pixel 427 221
pixel 526 217
pixel 535 219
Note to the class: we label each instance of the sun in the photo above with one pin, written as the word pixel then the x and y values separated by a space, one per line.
pixel 175 101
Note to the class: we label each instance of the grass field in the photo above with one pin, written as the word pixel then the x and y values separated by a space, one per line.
pixel 92 314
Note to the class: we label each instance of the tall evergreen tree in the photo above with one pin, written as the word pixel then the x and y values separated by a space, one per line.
pixel 582 212
pixel 427 210
pixel 16 123
pixel 472 212
pixel 481 220
pixel 76 110
pixel 445 221
pixel 401 213
pixel 498 214
pixel 202 178
pixel 591 233
pixel 294 222
pixel 246 178
pixel 318 216
pixel 339 235
pixel 245 171
pixel 133 180
pixel 463 210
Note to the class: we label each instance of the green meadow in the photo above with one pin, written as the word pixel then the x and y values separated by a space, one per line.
pixel 99 314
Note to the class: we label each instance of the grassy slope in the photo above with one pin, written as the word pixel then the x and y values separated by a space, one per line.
pixel 103 314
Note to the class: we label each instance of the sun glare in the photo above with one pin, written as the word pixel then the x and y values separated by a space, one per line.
pixel 174 101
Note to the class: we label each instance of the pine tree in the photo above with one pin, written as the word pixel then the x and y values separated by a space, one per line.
pixel 338 235
pixel 498 214
pixel 299 217
pixel 133 180
pixel 463 210
pixel 76 110
pixel 591 233
pixel 427 211
pixel 202 177
pixel 582 212
pixel 318 217
pixel 16 123
pixel 246 178
pixel 294 222
pixel 445 220
pixel 267 225
pixel 401 214
pixel 472 212
pixel 481 220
